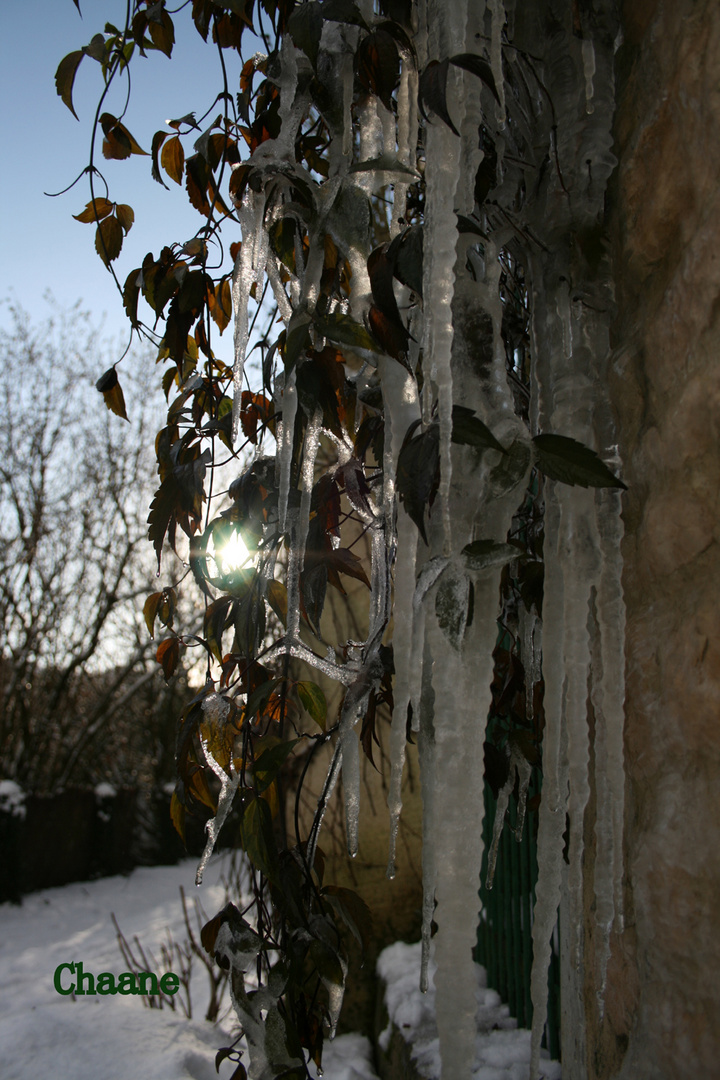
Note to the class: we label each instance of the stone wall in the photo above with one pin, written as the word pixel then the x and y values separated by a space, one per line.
pixel 663 1007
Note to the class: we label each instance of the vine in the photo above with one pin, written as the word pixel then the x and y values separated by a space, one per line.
pixel 386 176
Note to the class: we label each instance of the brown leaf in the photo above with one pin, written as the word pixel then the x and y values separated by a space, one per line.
pixel 150 610
pixel 65 77
pixel 109 239
pixel 95 210
pixel 167 655
pixel 172 159
pixel 125 215
pixel 222 308
pixel 162 31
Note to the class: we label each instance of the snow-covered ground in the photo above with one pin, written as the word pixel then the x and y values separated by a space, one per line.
pixel 115 1037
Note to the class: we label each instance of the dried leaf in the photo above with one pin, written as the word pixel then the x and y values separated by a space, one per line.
pixel 95 210
pixel 109 239
pixel 172 159
pixel 167 655
pixel 65 77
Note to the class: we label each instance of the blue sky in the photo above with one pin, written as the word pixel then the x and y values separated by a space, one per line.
pixel 45 148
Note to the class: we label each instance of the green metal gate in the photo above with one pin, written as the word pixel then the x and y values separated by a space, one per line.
pixel 504 945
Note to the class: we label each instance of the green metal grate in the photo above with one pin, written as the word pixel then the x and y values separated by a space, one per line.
pixel 504 945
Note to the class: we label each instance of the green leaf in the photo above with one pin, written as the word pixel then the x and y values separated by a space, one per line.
pixel 353 910
pixel 276 596
pixel 270 762
pixel 305 28
pixel 469 430
pixel 570 462
pixel 481 554
pixel 258 840
pixel 150 610
pixel 313 700
pixel 65 77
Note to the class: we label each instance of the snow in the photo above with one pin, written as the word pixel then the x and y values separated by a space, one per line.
pixel 43 1034
pixel 502 1051
pixel 105 791
pixel 12 798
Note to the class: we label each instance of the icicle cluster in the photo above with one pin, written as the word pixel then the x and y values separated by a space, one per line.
pixel 548 104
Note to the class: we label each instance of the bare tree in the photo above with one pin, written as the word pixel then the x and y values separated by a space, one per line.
pixel 75 658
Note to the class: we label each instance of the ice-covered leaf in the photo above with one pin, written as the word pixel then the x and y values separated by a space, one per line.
pixel 452 602
pixel 570 462
pixel 483 553
pixel 469 430
pixel 383 163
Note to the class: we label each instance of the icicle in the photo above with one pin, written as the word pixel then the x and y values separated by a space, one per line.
pixel 551 824
pixel 285 447
pixel 563 310
pixel 249 266
pixel 349 745
pixel 402 652
pixel 581 561
pixel 518 767
pixel 588 58
pixel 228 787
pixel 426 757
pixel 348 79
pixel 299 537
pixel 441 174
pixel 608 702
pixel 497 11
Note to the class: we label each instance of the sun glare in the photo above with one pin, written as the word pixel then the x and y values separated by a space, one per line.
pixel 234 554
